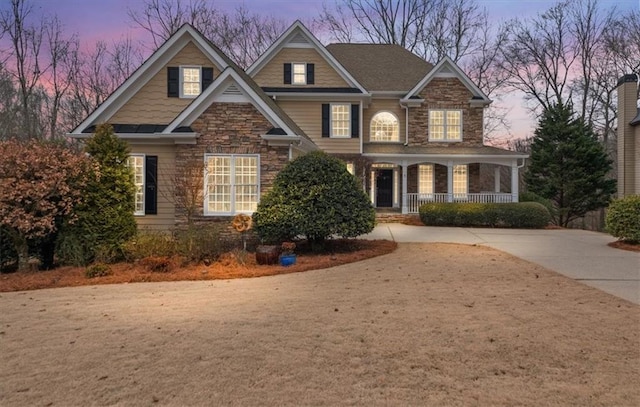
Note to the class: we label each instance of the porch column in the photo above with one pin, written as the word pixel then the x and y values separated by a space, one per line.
pixel 449 181
pixel 514 181
pixel 405 207
pixel 496 178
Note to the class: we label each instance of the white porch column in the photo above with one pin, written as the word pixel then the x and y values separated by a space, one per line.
pixel 449 181
pixel 496 178
pixel 514 181
pixel 405 207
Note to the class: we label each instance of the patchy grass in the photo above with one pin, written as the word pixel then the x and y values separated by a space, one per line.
pixel 236 264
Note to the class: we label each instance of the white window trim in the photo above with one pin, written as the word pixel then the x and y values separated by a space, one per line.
pixel 331 135
pixel 433 180
pixel 293 75
pixel 371 129
pixel 233 211
pixel 445 139
pixel 181 81
pixel 144 183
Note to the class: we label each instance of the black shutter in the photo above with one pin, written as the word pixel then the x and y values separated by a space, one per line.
pixel 207 77
pixel 311 76
pixel 173 81
pixel 325 120
pixel 355 121
pixel 151 185
pixel 287 74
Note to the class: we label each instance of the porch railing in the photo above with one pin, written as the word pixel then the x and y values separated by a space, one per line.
pixel 415 200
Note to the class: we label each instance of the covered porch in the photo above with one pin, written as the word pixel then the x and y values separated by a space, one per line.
pixel 404 182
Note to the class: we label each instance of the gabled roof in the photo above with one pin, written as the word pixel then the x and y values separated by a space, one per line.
pixel 149 68
pixel 447 68
pixel 381 67
pixel 229 71
pixel 244 85
pixel 299 35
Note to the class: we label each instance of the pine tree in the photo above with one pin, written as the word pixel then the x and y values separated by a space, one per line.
pixel 105 222
pixel 568 165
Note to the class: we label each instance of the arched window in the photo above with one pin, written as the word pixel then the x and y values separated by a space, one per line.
pixel 384 127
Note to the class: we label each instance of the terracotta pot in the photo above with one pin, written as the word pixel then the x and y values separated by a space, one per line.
pixel 267 254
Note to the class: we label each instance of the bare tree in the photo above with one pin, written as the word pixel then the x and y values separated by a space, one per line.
pixel 241 35
pixel 24 55
pixel 539 55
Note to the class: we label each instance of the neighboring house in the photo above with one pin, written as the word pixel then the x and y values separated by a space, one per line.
pixel 628 136
pixel 412 132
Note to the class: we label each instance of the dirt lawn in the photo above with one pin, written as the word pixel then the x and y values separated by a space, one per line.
pixel 429 324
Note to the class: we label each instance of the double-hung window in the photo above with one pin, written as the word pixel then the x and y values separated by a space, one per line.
pixel 189 81
pixel 425 179
pixel 460 181
pixel 299 74
pixel 445 125
pixel 145 172
pixel 232 184
pixel 340 120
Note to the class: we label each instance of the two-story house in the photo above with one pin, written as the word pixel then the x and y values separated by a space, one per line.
pixel 411 131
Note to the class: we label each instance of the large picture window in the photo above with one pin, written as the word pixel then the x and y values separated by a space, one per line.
pixel 231 184
pixel 445 125
pixel 384 127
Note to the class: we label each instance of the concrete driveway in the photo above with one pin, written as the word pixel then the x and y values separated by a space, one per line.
pixel 581 255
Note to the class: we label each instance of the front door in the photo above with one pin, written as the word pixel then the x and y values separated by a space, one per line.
pixel 384 188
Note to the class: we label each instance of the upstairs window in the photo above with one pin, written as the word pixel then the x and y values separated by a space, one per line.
pixel 445 125
pixel 385 127
pixel 299 74
pixel 340 120
pixel 188 81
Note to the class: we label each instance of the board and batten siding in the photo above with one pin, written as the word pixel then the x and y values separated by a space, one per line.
pixel 272 74
pixel 308 116
pixel 151 105
pixel 383 105
pixel 165 219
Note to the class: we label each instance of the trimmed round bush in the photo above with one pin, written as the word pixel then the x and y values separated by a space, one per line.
pixel 623 218
pixel 531 215
pixel 314 197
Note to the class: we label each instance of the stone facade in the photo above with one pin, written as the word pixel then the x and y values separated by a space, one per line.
pixel 446 93
pixel 231 128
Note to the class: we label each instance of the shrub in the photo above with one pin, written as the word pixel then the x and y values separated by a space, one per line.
pixel 533 197
pixel 199 243
pixel 509 215
pixel 623 218
pixel 149 243
pixel 97 270
pixel 314 196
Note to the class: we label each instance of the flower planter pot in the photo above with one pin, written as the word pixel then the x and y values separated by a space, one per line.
pixel 287 260
pixel 267 254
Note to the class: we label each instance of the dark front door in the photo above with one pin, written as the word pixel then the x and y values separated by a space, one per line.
pixel 384 189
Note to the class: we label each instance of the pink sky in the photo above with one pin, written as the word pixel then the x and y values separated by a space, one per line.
pixel 96 20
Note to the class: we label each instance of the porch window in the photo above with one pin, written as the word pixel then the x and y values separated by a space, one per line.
pixel 445 125
pixel 340 120
pixel 460 181
pixel 425 179
pixel 384 127
pixel 231 184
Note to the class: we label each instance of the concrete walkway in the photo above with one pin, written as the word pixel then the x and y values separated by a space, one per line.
pixel 581 255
